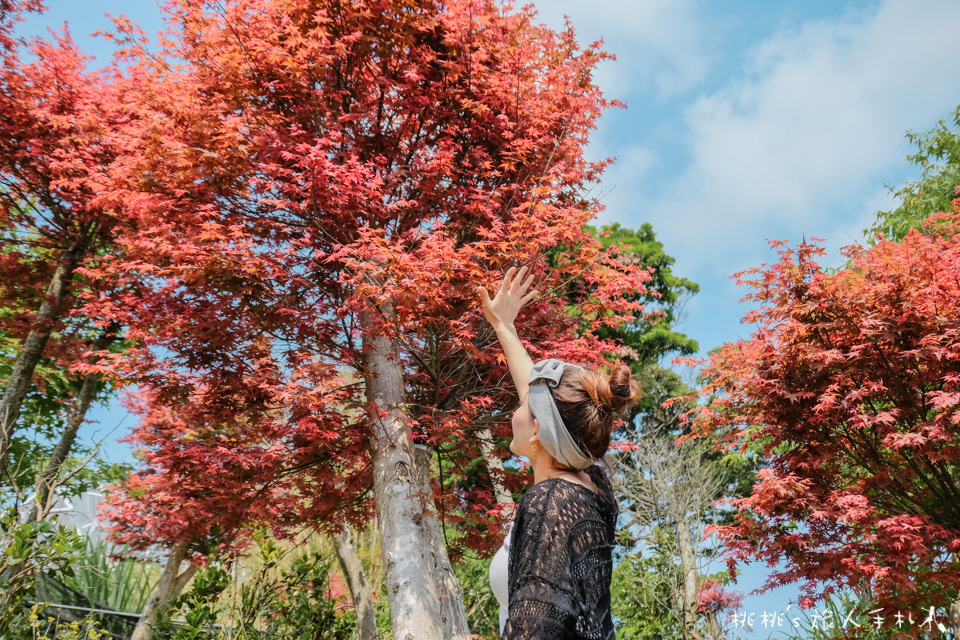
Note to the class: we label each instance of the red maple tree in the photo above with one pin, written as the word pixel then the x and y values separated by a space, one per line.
pixel 320 190
pixel 64 130
pixel 850 386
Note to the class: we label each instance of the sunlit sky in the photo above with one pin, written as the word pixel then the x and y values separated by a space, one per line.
pixel 746 121
pixel 758 120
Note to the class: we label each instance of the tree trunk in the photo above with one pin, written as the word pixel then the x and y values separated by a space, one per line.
pixel 688 567
pixel 494 464
pixel 360 591
pixel 452 610
pixel 955 618
pixel 411 591
pixel 51 474
pixel 32 350
pixel 169 586
pixel 713 625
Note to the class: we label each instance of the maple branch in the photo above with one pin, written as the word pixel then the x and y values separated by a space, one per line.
pixel 902 497
pixel 576 276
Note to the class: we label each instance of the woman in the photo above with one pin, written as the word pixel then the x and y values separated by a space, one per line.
pixel 559 549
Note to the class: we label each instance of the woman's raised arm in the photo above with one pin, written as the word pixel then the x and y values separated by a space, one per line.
pixel 501 312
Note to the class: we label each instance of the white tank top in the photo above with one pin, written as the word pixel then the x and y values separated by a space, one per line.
pixel 499 582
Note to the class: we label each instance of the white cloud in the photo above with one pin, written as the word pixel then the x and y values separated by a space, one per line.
pixel 661 45
pixel 801 140
pixel 632 167
pixel 809 129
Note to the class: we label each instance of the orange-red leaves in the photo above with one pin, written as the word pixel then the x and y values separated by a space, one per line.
pixel 850 386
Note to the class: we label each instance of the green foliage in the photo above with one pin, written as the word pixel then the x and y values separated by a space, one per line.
pixel 642 595
pixel 121 584
pixel 381 608
pixel 651 337
pixel 483 609
pixel 280 600
pixel 308 612
pixel 293 602
pixel 938 156
pixel 199 606
pixel 30 550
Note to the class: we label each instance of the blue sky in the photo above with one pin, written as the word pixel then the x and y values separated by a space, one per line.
pixel 746 121
pixel 749 121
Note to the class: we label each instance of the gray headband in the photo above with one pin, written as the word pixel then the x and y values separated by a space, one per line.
pixel 553 434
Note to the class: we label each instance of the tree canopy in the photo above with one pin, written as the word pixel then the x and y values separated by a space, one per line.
pixel 850 386
pixel 317 190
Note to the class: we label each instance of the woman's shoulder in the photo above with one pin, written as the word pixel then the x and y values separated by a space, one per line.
pixel 540 495
pixel 558 516
pixel 601 479
pixel 558 496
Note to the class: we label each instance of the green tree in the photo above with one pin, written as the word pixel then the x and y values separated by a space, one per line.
pixel 668 491
pixel 938 156
pixel 642 591
pixel 652 337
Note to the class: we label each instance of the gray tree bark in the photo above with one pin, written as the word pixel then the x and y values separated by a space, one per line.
pixel 688 567
pixel 32 350
pixel 360 591
pixel 171 583
pixel 955 618
pixel 452 610
pixel 415 611
pixel 51 474
pixel 494 464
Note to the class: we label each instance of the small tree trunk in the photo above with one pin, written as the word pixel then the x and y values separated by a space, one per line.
pixel 360 591
pixel 494 464
pixel 452 609
pixel 51 474
pixel 411 591
pixel 168 587
pixel 713 625
pixel 955 618
pixel 688 567
pixel 32 350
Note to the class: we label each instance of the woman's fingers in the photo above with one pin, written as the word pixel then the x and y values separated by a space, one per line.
pixel 519 281
pixel 527 298
pixel 508 279
pixel 516 284
pixel 526 284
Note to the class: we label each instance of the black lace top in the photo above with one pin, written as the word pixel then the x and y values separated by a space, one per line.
pixel 561 561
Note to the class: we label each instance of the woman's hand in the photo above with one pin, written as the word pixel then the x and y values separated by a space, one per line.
pixel 513 294
pixel 501 312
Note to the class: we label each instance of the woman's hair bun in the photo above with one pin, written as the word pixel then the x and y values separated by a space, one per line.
pixel 621 389
pixel 615 391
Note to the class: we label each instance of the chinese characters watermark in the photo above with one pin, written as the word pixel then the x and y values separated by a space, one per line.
pixel 830 618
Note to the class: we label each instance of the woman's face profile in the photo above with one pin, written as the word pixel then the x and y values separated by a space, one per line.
pixel 524 428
